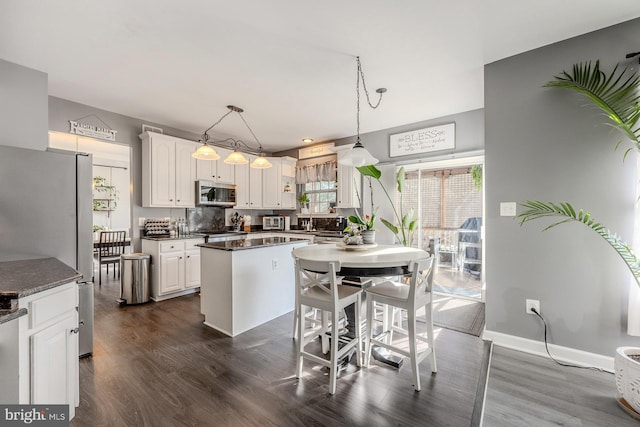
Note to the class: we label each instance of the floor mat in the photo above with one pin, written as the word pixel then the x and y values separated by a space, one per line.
pixel 458 314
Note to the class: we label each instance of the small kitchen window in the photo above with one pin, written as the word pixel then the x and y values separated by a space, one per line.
pixel 322 195
pixel 318 181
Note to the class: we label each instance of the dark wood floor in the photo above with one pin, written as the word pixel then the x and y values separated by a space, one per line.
pixel 157 365
pixel 527 390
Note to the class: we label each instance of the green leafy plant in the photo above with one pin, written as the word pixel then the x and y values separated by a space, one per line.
pixel 404 226
pixel 101 185
pixel 476 175
pixel 303 199
pixel 617 96
pixel 366 223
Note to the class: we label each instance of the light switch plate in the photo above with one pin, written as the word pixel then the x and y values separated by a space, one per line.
pixel 507 208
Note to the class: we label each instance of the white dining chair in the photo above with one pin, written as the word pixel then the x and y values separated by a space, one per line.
pixel 318 286
pixel 410 297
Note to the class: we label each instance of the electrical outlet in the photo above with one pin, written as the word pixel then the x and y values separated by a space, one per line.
pixel 532 303
pixel 274 264
pixel 140 222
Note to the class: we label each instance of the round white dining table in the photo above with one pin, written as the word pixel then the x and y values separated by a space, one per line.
pixel 382 260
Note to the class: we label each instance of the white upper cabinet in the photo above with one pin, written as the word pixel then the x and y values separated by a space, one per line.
pixel 243 200
pixel 271 188
pixel 288 182
pixel 349 185
pixel 255 186
pixel 185 174
pixel 168 171
pixel 216 170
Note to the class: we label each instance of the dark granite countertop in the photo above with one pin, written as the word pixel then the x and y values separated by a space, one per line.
pixel 10 314
pixel 251 243
pixel 163 238
pixel 26 277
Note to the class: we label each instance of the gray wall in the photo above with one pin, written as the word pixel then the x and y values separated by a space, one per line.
pixel 469 137
pixel 544 143
pixel 23 106
pixel 61 111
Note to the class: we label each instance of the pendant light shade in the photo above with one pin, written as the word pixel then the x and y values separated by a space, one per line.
pixel 205 152
pixel 261 162
pixel 236 158
pixel 358 156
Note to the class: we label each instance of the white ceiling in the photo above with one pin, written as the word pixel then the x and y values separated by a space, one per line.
pixel 289 63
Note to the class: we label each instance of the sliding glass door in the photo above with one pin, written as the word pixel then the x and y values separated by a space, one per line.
pixel 448 198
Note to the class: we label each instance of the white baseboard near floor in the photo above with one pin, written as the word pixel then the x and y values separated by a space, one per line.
pixel 563 354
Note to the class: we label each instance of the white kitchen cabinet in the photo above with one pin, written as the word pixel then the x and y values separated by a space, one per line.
pixel 271 187
pixel 288 182
pixel 175 266
pixel 349 185
pixel 255 186
pixel 48 348
pixel 243 199
pixel 216 170
pixel 168 171
pixel 192 268
pixel 171 272
pixel 248 186
pixel 53 364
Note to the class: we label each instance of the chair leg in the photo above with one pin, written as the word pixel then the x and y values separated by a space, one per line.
pixel 370 317
pixel 413 348
pixel 389 318
pixel 300 346
pixel 333 370
pixel 325 328
pixel 428 313
pixel 296 319
pixel 358 326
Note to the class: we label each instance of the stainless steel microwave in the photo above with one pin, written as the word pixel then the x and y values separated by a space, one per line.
pixel 209 193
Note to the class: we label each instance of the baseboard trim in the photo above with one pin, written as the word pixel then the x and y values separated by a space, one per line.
pixel 481 388
pixel 563 354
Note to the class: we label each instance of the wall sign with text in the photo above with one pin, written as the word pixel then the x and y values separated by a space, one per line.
pixel 92 131
pixel 433 138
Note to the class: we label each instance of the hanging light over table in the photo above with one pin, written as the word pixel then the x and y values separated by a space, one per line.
pixel 206 151
pixel 358 155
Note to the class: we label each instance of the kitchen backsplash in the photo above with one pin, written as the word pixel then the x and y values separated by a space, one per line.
pixel 209 218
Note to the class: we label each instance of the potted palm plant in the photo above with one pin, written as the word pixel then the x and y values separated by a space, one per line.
pixel 617 96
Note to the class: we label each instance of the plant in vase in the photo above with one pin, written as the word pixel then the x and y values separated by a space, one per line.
pixel 304 200
pixel 617 96
pixel 365 225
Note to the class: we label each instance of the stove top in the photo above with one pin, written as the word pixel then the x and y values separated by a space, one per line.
pixel 213 233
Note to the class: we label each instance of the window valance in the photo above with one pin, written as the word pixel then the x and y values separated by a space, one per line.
pixel 325 171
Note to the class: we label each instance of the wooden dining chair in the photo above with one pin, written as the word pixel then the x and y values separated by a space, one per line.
pixel 317 286
pixel 410 297
pixel 110 248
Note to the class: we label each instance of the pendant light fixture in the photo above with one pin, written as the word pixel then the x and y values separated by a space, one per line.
pixel 358 155
pixel 206 151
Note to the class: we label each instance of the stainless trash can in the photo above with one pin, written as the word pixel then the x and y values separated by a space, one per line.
pixel 134 278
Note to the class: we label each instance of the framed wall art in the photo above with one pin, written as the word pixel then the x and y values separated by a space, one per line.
pixel 425 140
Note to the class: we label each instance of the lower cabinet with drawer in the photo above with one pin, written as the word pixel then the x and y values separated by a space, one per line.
pixel 175 267
pixel 48 348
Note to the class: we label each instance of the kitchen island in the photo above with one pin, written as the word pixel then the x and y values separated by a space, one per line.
pixel 247 282
pixel 38 332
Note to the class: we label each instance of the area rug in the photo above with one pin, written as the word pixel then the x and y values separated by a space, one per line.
pixel 458 314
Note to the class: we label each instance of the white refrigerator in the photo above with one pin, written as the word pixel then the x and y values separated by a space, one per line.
pixel 45 211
